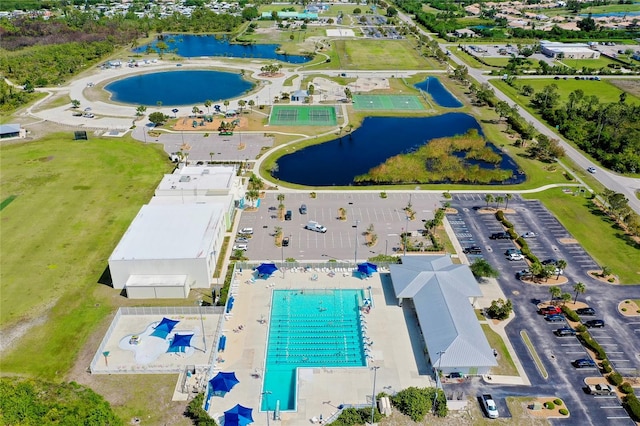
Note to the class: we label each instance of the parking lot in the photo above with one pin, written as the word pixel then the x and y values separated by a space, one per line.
pixel 342 241
pixel 620 337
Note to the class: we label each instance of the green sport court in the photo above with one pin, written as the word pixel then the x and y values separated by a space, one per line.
pixel 290 115
pixel 387 102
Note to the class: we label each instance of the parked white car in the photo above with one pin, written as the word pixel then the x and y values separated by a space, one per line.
pixel 529 235
pixel 247 231
pixel 515 256
pixel 242 247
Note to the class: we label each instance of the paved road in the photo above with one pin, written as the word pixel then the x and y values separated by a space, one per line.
pixel 625 185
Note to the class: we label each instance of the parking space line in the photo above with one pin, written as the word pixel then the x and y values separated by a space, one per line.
pixel 619 360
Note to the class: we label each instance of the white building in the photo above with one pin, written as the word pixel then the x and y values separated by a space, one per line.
pixel 443 294
pixel 568 50
pixel 202 184
pixel 168 249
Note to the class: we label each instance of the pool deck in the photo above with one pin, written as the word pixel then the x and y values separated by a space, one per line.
pixel 320 390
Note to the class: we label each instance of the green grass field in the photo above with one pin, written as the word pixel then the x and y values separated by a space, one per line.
pixel 605 91
pixel 378 54
pixel 75 200
pixel 578 64
pixel 600 237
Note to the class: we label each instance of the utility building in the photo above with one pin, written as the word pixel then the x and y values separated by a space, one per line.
pixel 168 249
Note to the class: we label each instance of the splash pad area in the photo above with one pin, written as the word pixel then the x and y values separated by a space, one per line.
pixel 138 341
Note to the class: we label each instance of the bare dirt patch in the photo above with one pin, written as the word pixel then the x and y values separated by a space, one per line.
pixel 597 275
pixel 629 308
pixel 186 124
pixel 629 86
pixel 546 413
pixel 568 241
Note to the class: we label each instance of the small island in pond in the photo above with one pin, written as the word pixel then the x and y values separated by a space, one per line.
pixel 464 158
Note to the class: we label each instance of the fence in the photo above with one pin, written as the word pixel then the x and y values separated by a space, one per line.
pixel 152 310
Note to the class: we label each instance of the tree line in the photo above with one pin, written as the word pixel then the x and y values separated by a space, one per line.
pixel 610 132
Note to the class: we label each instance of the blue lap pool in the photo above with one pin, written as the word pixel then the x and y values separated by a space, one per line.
pixel 310 328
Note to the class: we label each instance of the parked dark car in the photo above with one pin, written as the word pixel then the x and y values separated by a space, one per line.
pixel 472 250
pixel 500 236
pixel 287 215
pixel 586 311
pixel 565 331
pixel 584 363
pixel 549 262
pixel 594 323
pixel 303 209
pixel 285 242
pixel 554 318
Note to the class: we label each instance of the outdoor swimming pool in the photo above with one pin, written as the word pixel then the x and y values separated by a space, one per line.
pixel 310 328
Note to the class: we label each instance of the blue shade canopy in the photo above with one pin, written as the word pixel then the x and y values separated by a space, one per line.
pixel 164 328
pixel 180 342
pixel 238 416
pixel 223 383
pixel 367 268
pixel 267 268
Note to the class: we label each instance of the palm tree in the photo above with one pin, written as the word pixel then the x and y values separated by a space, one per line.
pixel 195 110
pixel 280 198
pixel 251 103
pixel 606 271
pixel 560 265
pixel 488 198
pixel 579 288
pixel 211 154
pixel 242 104
pixel 555 293
pixel 499 200
pixel 536 269
pixel 252 195
pixel 566 297
pixel 507 197
pixel 226 106
pixel 208 104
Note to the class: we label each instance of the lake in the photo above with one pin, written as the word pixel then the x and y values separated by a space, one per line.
pixel 194 45
pixel 339 161
pixel 188 87
pixel 438 92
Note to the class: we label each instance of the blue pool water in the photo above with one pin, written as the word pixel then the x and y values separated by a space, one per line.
pixel 189 87
pixel 339 161
pixel 310 328
pixel 194 45
pixel 439 93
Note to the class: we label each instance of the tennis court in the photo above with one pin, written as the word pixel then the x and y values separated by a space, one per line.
pixel 289 115
pixel 387 102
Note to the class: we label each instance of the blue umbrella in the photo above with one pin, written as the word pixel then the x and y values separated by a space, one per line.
pixel 367 268
pixel 180 342
pixel 267 269
pixel 238 416
pixel 223 383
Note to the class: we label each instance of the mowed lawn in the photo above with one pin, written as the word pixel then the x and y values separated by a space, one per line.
pixel 74 201
pixel 379 54
pixel 605 91
pixel 600 236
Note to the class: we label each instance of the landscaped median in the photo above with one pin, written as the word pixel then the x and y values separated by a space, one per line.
pixel 534 354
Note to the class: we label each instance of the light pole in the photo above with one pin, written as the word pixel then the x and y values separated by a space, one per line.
pixel 435 396
pixel 355 256
pixel 204 341
pixel 373 396
pixel 266 398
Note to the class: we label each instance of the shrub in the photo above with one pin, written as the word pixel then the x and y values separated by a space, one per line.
pixel 615 379
pixel 626 388
pixel 624 309
pixel 557 401
pixel 632 405
pixel 571 314
pixel 500 309
pixel 581 328
pixel 588 341
pixel 549 405
pixel 611 280
pixel 446 195
pixel 564 411
pixel 412 402
pixel 383 194
pixel 606 367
